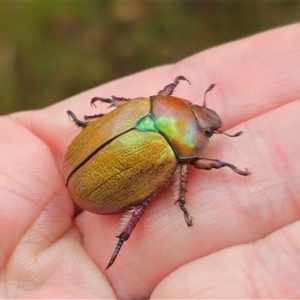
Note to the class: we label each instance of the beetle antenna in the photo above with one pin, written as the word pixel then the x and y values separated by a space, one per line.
pixel 208 89
pixel 230 135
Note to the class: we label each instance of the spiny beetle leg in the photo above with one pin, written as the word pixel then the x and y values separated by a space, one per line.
pixel 168 89
pixel 187 217
pixel 93 117
pixel 207 164
pixel 135 216
pixel 101 99
pixel 113 101
pixel 181 183
pixel 79 123
pixel 122 238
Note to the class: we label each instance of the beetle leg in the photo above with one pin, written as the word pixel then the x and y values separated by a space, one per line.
pixel 134 217
pixel 79 123
pixel 113 101
pixel 168 89
pixel 93 117
pixel 207 164
pixel 179 187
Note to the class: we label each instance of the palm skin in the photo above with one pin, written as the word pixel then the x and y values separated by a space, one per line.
pixel 244 242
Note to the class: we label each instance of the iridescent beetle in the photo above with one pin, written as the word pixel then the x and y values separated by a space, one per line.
pixel 119 160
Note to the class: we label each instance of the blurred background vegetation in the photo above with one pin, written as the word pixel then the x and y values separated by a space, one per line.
pixel 52 50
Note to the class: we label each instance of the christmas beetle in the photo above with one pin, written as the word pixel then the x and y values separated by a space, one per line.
pixel 119 160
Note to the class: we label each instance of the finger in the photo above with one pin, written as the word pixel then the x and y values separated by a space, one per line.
pixel 252 76
pixel 41 253
pixel 265 269
pixel 29 182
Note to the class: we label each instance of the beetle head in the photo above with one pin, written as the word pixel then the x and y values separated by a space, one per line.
pixel 207 119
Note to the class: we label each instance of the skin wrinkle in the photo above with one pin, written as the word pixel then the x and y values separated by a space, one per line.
pixel 248 270
pixel 296 206
pixel 289 241
pixel 51 241
pixel 265 252
pixel 31 125
pixel 37 257
pixel 271 148
pixel 23 187
pixel 231 281
pixel 281 165
pixel 10 251
pixel 262 280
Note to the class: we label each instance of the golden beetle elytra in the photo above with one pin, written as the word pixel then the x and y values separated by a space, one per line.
pixel 119 160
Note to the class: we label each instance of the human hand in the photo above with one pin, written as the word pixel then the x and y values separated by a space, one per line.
pixel 244 242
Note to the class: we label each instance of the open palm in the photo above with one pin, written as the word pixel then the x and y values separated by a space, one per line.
pixel 244 242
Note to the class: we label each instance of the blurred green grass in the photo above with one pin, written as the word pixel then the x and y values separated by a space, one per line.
pixel 52 50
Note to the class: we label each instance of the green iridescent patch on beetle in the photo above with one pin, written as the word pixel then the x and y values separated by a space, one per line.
pixel 146 124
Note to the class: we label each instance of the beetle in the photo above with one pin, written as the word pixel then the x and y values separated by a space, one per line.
pixel 121 159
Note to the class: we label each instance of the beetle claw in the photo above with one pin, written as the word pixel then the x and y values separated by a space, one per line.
pixel 238 171
pixel 208 89
pixel 122 238
pixel 179 184
pixel 244 173
pixel 136 214
pixel 79 123
pixel 188 219
pixel 169 89
pixel 101 99
pixel 113 101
